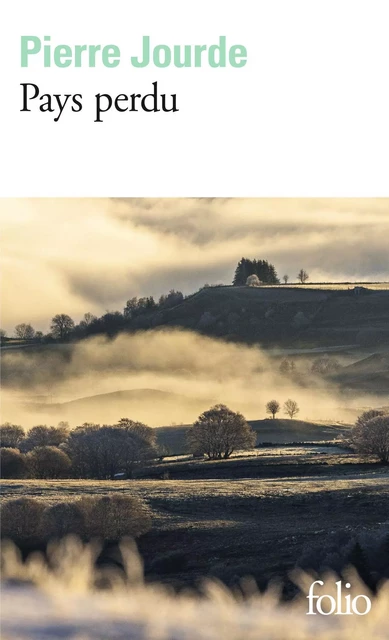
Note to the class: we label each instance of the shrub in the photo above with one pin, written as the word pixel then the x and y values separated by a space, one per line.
pixel 12 463
pixel 62 519
pixel 21 520
pixel 371 437
pixel 28 521
pixel 253 281
pixel 112 517
pixel 48 462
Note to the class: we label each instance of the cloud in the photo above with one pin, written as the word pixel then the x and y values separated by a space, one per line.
pixel 77 255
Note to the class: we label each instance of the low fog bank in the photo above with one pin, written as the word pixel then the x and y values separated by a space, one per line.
pixel 160 377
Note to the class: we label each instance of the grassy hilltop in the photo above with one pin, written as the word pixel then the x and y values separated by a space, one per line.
pixel 268 431
pixel 291 316
pixel 309 316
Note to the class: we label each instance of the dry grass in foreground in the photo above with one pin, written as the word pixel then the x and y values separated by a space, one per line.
pixel 61 599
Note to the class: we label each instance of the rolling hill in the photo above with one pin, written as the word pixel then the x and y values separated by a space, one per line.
pixel 108 408
pixel 286 316
pixel 370 374
pixel 268 431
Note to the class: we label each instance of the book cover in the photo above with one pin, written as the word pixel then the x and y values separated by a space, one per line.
pixel 194 323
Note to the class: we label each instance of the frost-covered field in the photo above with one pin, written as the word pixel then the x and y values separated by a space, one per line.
pixel 62 603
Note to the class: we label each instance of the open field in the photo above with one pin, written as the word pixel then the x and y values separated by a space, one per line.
pixel 228 528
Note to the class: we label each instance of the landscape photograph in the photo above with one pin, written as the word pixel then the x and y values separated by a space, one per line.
pixel 194 416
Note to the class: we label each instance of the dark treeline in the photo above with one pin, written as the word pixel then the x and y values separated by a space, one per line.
pixel 103 452
pixel 262 268
pixel 88 451
pixel 138 314
pixel 92 451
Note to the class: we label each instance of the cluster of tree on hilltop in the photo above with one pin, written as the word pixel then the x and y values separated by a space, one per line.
pixel 146 313
pixel 264 270
pixel 138 313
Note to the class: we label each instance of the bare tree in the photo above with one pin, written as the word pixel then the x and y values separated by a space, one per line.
pixel 287 366
pixel 285 279
pixel 24 331
pixel 273 407
pixel 291 408
pixel 253 281
pixel 368 415
pixel 89 318
pixel 44 436
pixel 86 322
pixel 371 437
pixel 219 432
pixel 61 326
pixel 102 451
pixel 302 276
pixel 325 366
pixel 11 435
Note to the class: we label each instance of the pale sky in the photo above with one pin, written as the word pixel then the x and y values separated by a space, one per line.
pixel 78 255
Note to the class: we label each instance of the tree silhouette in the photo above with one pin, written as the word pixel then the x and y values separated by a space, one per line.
pixel 302 276
pixel 273 407
pixel 61 326
pixel 291 408
pixel 219 432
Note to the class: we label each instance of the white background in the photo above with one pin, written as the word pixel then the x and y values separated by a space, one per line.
pixel 307 116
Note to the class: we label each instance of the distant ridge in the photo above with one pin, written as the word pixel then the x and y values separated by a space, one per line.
pixel 137 404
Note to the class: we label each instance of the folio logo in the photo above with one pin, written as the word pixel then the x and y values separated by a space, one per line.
pixel 342 605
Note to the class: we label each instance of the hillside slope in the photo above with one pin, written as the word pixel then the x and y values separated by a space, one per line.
pixel 285 316
pixel 268 431
pixel 369 374
pixel 139 404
